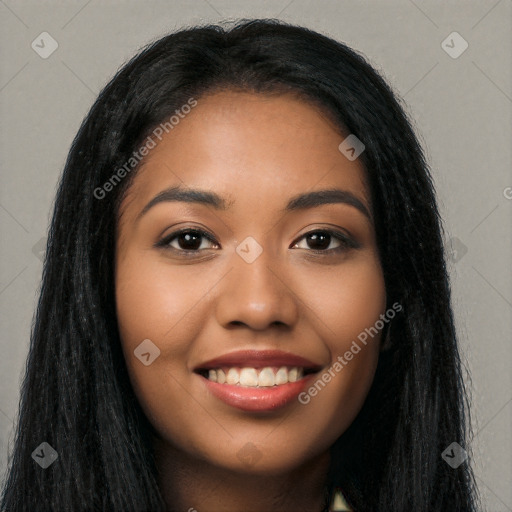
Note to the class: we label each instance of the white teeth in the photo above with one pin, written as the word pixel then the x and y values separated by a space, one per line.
pixel 281 376
pixel 252 377
pixel 248 377
pixel 233 377
pixel 266 378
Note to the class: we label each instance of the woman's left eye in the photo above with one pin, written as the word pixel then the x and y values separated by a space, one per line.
pixel 320 240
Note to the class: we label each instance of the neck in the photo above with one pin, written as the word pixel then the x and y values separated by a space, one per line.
pixel 190 484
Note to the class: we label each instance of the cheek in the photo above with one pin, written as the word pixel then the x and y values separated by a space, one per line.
pixel 149 308
pixel 166 305
pixel 154 300
pixel 347 302
pixel 350 305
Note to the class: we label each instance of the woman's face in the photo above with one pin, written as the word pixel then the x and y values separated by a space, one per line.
pixel 277 287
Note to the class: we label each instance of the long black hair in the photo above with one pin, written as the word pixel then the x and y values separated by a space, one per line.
pixel 76 394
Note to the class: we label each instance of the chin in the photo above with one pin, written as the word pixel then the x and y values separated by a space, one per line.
pixel 266 460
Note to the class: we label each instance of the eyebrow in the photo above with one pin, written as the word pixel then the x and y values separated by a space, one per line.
pixel 329 196
pixel 299 202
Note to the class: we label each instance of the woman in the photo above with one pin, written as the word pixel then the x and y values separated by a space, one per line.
pixel 303 355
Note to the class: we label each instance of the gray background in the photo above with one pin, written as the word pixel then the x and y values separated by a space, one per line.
pixel 461 107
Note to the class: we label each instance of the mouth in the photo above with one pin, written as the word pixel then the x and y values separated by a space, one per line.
pixel 257 380
pixel 251 377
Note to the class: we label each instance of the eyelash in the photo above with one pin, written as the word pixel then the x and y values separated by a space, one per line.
pixel 345 241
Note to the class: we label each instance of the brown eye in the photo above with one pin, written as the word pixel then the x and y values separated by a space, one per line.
pixel 321 241
pixel 187 240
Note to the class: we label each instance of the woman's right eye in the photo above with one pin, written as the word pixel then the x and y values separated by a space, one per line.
pixel 187 241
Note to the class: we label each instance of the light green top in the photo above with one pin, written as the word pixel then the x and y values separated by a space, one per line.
pixel 339 504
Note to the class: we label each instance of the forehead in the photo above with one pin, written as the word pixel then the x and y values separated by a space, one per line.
pixel 252 149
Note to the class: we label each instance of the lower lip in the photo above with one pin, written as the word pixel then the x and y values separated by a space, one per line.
pixel 258 399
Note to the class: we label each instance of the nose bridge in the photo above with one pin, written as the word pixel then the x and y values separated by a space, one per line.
pixel 254 292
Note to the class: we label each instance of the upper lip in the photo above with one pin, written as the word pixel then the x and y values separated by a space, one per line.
pixel 258 359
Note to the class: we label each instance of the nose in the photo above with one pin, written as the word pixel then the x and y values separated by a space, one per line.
pixel 257 295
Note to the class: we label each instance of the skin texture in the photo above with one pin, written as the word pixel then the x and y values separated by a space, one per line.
pixel 257 151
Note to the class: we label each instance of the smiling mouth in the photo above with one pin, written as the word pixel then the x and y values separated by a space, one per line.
pixel 249 377
pixel 257 381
